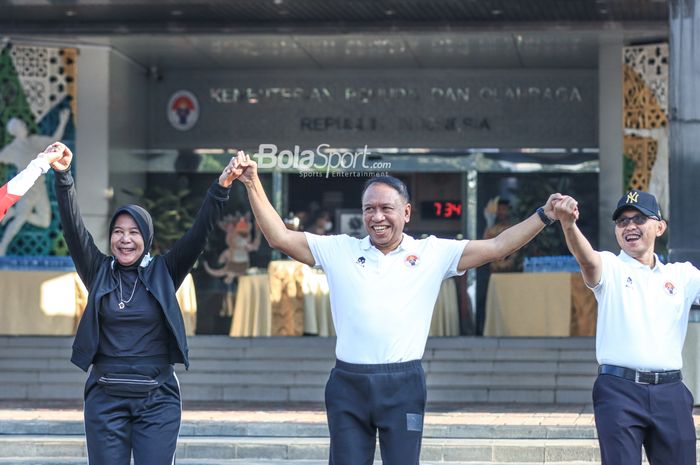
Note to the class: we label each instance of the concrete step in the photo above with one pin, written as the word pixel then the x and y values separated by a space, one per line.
pixel 462 369
pixel 293 451
pixel 284 448
pixel 311 430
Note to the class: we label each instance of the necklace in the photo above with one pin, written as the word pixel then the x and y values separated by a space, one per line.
pixel 122 302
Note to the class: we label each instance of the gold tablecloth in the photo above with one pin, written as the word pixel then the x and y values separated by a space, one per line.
pixel 252 315
pixel 187 298
pixel 318 318
pixel 290 300
pixel 40 302
pixel 446 312
pixel 293 299
pixel 51 302
pixel 286 280
pixel 539 304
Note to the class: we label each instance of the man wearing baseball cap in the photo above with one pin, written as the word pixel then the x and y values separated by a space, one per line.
pixel 643 306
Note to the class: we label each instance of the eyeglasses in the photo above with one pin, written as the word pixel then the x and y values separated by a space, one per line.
pixel 624 221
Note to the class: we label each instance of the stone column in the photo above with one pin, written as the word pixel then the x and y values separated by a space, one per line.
pixel 684 146
pixel 610 141
pixel 92 141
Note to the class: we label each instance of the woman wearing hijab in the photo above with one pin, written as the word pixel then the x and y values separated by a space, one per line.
pixel 132 331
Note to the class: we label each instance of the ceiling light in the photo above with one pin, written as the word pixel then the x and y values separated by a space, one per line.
pixel 496 12
pixel 176 12
pixel 70 13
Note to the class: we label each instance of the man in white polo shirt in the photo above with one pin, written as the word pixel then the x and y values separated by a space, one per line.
pixel 643 306
pixel 383 289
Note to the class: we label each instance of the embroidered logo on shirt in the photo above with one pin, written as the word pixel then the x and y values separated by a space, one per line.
pixel 670 288
pixel 411 261
pixel 361 261
pixel 628 283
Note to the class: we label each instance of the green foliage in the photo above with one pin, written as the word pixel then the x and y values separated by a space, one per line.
pixel 13 102
pixel 7 172
pixel 172 211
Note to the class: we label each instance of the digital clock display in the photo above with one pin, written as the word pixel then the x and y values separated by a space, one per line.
pixel 441 209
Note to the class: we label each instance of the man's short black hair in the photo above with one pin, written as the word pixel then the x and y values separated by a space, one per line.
pixel 395 183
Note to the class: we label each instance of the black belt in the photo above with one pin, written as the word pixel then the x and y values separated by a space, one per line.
pixel 641 377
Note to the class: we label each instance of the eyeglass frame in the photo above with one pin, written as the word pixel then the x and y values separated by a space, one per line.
pixel 638 219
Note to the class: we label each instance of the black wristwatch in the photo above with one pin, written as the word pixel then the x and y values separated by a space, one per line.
pixel 543 216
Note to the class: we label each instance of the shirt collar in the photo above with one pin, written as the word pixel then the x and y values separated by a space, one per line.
pixel 407 243
pixel 636 263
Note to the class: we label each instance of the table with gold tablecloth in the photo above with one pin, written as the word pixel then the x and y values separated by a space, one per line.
pixel 51 302
pixel 293 299
pixel 539 304
pixel 290 300
pixel 39 302
pixel 252 315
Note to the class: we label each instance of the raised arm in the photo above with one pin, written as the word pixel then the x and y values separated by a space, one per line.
pixel 86 256
pixel 292 243
pixel 480 252
pixel 588 259
pixel 16 187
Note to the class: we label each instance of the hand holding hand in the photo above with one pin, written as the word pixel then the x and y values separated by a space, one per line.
pixel 566 211
pixel 230 173
pixel 549 205
pixel 241 167
pixel 58 155
pixel 248 168
pixel 50 155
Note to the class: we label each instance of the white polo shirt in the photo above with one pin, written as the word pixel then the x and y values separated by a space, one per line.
pixel 643 312
pixel 382 305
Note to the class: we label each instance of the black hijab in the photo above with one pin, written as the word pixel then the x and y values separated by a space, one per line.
pixel 145 224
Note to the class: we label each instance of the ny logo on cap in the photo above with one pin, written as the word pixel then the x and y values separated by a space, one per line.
pixel 632 197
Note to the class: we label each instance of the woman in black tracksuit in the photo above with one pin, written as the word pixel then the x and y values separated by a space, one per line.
pixel 132 330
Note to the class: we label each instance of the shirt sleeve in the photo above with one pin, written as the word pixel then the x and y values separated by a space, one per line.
pixel 6 200
pixel 606 259
pixel 693 283
pixel 323 247
pixel 452 251
pixel 11 192
pixel 25 179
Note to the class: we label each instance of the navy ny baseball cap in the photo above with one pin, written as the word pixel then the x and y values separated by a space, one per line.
pixel 642 201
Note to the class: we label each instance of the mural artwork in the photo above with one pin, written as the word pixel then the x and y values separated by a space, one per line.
pixel 37 107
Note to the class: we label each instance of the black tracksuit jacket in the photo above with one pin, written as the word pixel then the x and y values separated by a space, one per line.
pixel 161 276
